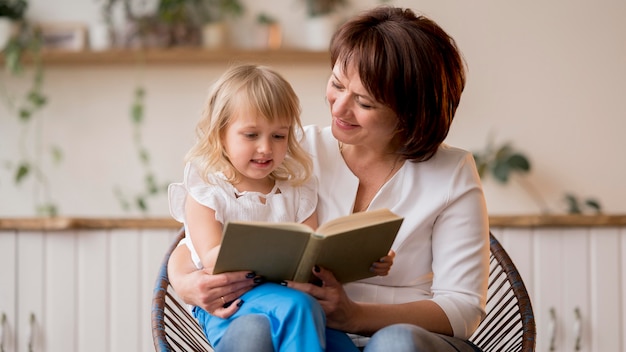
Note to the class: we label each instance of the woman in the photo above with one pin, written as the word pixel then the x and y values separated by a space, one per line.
pixel 395 86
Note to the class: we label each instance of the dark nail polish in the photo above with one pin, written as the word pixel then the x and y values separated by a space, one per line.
pixel 317 268
pixel 259 280
pixel 250 275
pixel 283 283
pixel 240 303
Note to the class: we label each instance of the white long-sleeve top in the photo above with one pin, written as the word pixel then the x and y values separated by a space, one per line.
pixel 442 249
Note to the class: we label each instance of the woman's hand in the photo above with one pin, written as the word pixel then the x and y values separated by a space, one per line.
pixel 217 294
pixel 341 312
pixel 383 265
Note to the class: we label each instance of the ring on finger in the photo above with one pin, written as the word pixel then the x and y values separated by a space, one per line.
pixel 223 300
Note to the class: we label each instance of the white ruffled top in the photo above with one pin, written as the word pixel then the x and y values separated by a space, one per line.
pixel 285 203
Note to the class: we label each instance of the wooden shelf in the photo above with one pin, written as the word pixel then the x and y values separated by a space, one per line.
pixel 180 56
pixel 521 221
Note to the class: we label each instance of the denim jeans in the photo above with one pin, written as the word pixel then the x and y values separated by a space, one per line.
pixel 412 338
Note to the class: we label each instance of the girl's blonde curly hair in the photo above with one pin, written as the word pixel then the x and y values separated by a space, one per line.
pixel 252 88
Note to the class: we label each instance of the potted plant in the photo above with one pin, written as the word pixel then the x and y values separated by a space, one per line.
pixel 322 21
pixel 11 11
pixel 212 16
pixel 320 8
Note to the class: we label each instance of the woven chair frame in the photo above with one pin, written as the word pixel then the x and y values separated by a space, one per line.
pixel 509 325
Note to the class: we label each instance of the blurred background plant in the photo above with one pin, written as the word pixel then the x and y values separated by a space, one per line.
pixel 171 23
pixel 151 187
pixel 26 44
pixel 504 163
pixel 317 8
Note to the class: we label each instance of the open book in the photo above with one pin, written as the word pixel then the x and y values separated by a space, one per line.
pixel 347 246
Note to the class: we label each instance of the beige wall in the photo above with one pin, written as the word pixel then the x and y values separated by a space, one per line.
pixel 547 75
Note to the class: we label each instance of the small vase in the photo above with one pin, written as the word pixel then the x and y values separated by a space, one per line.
pixel 319 30
pixel 214 35
pixel 7 29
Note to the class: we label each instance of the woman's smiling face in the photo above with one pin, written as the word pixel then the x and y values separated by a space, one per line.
pixel 358 118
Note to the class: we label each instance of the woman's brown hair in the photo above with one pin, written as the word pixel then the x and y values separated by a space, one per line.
pixel 409 64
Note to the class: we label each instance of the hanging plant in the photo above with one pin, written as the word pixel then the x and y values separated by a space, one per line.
pixel 151 187
pixel 28 41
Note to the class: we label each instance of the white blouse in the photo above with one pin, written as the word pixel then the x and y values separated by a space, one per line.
pixel 284 203
pixel 442 249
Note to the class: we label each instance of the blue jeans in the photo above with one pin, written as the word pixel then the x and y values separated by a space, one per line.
pixel 412 338
pixel 274 318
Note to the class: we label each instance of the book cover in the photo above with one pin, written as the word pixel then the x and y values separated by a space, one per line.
pixel 287 251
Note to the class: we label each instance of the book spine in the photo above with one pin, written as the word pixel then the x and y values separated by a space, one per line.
pixel 309 258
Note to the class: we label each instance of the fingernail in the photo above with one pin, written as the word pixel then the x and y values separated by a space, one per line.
pixel 259 280
pixel 317 268
pixel 283 283
pixel 250 275
pixel 240 303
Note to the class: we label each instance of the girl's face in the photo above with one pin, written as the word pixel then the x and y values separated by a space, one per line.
pixel 256 147
pixel 358 119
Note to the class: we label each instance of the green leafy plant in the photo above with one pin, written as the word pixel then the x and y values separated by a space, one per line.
pixel 323 7
pixel 13 9
pixel 216 10
pixel 578 206
pixel 504 163
pixel 152 188
pixel 28 41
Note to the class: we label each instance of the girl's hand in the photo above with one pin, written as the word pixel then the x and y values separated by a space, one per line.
pixel 217 294
pixel 383 265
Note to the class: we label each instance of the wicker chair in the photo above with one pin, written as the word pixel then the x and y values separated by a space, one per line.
pixel 173 327
pixel 508 326
pixel 510 323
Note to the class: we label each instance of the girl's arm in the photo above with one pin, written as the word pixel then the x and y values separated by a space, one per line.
pixel 311 221
pixel 199 288
pixel 204 231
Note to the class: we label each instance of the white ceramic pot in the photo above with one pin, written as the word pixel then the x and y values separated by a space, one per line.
pixel 214 35
pixel 6 31
pixel 319 30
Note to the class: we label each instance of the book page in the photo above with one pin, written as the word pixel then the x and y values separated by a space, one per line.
pixel 356 220
pixel 350 254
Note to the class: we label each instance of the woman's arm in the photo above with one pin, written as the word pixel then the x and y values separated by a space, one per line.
pixel 366 318
pixel 209 292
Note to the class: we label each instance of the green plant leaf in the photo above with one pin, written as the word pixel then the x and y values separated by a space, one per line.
pixel 482 169
pixel 47 209
pixel 594 204
pixel 518 162
pixel 57 154
pixel 503 152
pixel 572 204
pixel 25 115
pixel 144 156
pixel 501 171
pixel 141 203
pixel 137 113
pixel 151 184
pixel 12 57
pixel 22 171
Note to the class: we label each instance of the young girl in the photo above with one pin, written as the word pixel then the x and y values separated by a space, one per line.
pixel 248 165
